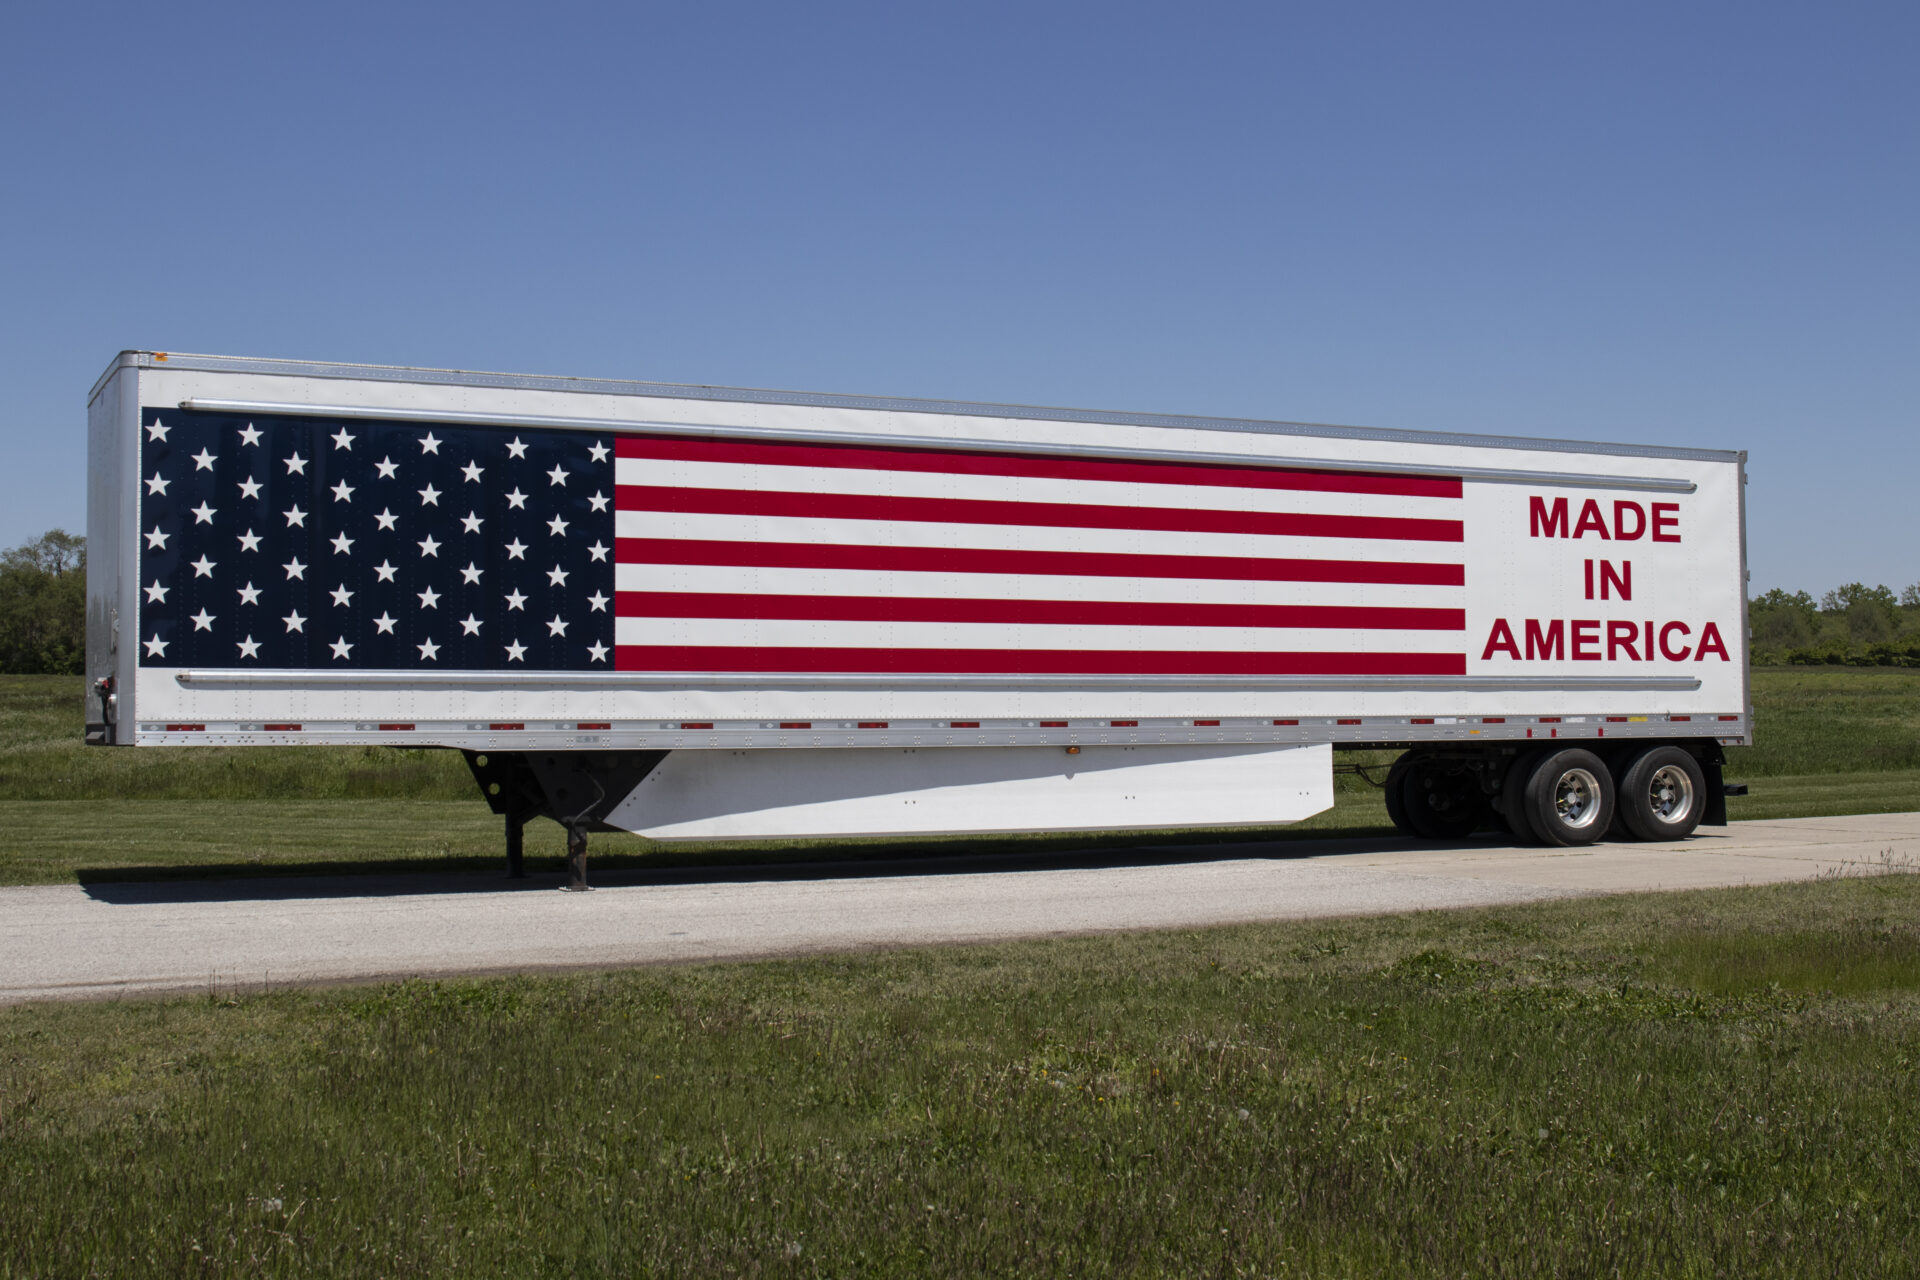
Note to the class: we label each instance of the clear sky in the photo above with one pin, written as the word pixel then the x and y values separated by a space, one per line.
pixel 1693 223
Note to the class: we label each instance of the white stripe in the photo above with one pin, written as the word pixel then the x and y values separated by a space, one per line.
pixel 1000 537
pixel 918 484
pixel 985 635
pixel 747 580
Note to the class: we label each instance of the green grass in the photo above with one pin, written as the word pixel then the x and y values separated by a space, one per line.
pixel 1705 1084
pixel 1831 741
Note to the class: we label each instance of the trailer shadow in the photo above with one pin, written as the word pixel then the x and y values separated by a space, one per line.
pixel 301 881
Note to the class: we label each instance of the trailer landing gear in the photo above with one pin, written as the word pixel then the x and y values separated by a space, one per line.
pixel 577 789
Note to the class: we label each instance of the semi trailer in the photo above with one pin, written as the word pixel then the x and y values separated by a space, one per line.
pixel 697 612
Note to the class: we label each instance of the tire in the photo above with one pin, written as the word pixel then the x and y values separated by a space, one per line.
pixel 1569 799
pixel 1442 804
pixel 1513 788
pixel 1395 791
pixel 1662 794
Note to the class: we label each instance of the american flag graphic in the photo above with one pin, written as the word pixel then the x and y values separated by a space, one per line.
pixel 315 543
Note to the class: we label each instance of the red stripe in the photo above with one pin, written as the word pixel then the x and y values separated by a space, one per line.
pixel 1086 564
pixel 1056 515
pixel 880 458
pixel 1033 661
pixel 1099 613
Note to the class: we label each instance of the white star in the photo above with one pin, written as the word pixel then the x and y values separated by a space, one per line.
pixel 557 475
pixel 249 594
pixel 341 544
pixel 157 594
pixel 384 623
pixel 471 471
pixel 296 464
pixel 599 501
pixel 203 621
pixel 386 467
pixel 386 518
pixel 341 596
pixel 429 497
pixel 296 516
pixel 515 599
pixel 557 527
pixel 598 601
pixel 249 488
pixel 203 461
pixel 249 541
pixel 156 540
pixel 516 651
pixel 157 432
pixel 157 485
pixel 203 567
pixel 203 514
pixel 428 649
pixel 517 449
pixel 383 571
pixel 471 574
pixel 516 500
pixel 341 440
pixel 295 569
pixel 295 622
pixel 470 522
pixel 598 550
pixel 429 443
pixel 598 650
pixel 599 452
pixel 156 647
pixel 249 648
pixel 429 599
pixel 341 648
pixel 557 576
pixel 249 434
pixel 558 627
pixel 343 492
pixel 516 550
pixel 429 547
pixel 470 626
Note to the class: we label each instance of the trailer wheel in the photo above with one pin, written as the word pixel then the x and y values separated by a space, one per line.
pixel 1394 793
pixel 1513 797
pixel 1568 799
pixel 1662 794
pixel 1442 804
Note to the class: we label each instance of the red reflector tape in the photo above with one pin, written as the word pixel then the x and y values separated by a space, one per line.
pixel 594 725
pixel 1205 724
pixel 1616 719
pixel 1549 719
pixel 1493 719
pixel 396 728
pixel 873 724
pixel 1053 724
pixel 498 727
pixel 696 724
pixel 1346 722
pixel 1679 719
pixel 1286 722
pixel 964 724
pixel 1729 717
pixel 186 728
pixel 796 724
pixel 1124 724
pixel 281 728
pixel 1421 720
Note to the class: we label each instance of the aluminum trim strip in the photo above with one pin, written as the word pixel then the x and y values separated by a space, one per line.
pixel 243 678
pixel 752 395
pixel 1490 475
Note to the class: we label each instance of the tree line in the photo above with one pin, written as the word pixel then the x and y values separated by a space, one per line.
pixel 43 616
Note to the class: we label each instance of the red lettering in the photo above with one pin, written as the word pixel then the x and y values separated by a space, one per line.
pixel 1710 642
pixel 1590 518
pixel 1586 639
pixel 1620 508
pixel 1621 581
pixel 1665 650
pixel 1649 641
pixel 1549 645
pixel 1589 579
pixel 1662 520
pixel 1500 639
pixel 1544 521
pixel 1622 635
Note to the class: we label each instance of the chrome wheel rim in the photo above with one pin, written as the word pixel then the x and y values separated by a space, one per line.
pixel 1670 794
pixel 1576 798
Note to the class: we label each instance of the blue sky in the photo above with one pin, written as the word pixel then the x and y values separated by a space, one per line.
pixel 1679 224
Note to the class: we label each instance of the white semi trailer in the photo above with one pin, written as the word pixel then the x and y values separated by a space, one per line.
pixel 694 611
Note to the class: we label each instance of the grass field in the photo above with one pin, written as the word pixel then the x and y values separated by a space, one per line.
pixel 1831 740
pixel 1706 1084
